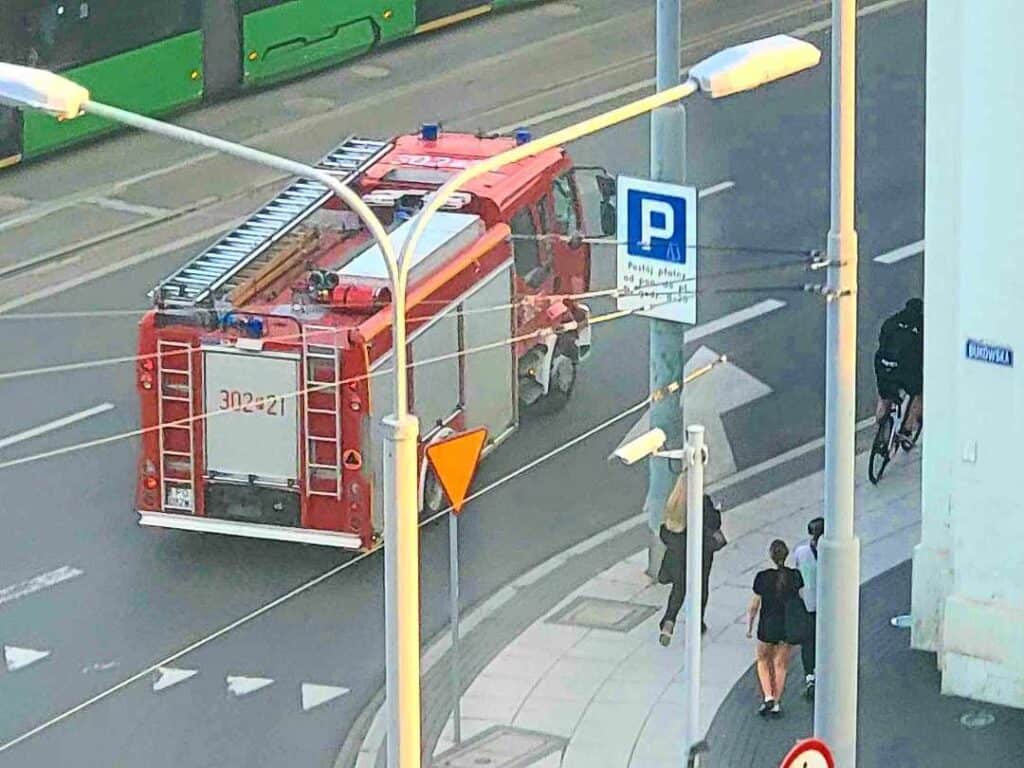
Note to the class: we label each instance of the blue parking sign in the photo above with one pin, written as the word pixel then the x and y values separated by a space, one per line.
pixel 656 226
pixel 657 252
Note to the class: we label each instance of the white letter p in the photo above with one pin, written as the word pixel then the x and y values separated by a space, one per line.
pixel 648 208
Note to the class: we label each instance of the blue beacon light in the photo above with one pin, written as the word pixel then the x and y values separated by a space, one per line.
pixel 429 131
pixel 522 136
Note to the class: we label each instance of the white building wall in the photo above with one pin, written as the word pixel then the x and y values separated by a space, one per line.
pixel 933 557
pixel 969 569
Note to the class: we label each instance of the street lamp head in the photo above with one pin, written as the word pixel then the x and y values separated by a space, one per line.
pixel 39 89
pixel 750 65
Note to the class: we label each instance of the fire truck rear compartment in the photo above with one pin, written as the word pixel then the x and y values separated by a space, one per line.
pixel 252 504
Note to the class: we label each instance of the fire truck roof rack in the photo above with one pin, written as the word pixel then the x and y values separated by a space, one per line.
pixel 198 282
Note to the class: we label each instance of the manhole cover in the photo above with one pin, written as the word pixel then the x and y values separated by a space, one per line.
pixel 902 621
pixel 501 747
pixel 369 71
pixel 560 10
pixel 597 613
pixel 977 719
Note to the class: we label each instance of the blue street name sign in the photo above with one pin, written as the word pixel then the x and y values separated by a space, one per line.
pixel 989 353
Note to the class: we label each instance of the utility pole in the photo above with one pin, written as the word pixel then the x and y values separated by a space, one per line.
pixel 668 163
pixel 835 705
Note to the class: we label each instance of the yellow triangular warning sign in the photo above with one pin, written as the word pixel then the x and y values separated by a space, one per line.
pixel 454 461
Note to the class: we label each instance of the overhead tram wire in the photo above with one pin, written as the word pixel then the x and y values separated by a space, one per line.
pixel 808 256
pixel 572 325
pixel 305 587
pixel 525 300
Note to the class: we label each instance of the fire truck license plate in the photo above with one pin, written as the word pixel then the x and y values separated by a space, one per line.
pixel 251 406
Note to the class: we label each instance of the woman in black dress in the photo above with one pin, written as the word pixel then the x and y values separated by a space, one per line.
pixel 773 588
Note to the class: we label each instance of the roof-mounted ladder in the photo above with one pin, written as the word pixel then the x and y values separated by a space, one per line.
pixel 198 281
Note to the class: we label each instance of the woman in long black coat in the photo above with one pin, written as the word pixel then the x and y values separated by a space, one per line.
pixel 673 567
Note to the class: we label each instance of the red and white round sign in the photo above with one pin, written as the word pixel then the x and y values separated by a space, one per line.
pixel 809 753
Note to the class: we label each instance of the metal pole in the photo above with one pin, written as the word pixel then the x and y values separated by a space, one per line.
pixel 835 705
pixel 695 454
pixel 402 557
pixel 453 580
pixel 401 531
pixel 668 153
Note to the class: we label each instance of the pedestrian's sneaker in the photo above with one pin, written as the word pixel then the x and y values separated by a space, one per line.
pixel 776 710
pixel 766 707
pixel 666 632
pixel 809 687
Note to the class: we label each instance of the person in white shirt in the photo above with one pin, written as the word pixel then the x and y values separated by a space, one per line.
pixel 806 556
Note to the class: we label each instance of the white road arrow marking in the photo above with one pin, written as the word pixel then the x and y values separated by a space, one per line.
pixel 19 658
pixel 240 686
pixel 723 389
pixel 169 676
pixel 315 695
pixel 40 582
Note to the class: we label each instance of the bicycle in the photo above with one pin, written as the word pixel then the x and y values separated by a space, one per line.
pixel 887 445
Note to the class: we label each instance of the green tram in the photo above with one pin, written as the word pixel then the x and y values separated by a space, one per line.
pixel 159 56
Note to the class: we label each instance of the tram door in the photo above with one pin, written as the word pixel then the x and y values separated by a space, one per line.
pixel 222 48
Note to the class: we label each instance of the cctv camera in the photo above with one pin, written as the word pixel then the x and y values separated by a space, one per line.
pixel 640 447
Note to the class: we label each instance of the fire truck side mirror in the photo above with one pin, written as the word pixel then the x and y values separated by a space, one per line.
pixel 609 218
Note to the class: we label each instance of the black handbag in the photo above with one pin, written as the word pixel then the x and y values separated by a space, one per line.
pixel 716 540
pixel 798 621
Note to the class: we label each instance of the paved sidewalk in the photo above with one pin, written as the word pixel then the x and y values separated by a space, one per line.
pixel 613 697
pixel 903 720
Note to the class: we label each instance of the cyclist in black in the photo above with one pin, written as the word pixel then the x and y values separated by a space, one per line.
pixel 899 364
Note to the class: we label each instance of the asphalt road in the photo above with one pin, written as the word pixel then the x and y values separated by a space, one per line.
pixel 143 595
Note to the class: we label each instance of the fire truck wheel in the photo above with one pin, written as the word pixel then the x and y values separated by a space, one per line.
pixel 433 496
pixel 562 381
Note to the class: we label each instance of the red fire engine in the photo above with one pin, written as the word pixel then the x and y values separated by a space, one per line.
pixel 264 368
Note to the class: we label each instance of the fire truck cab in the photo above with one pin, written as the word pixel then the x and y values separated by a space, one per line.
pixel 264 369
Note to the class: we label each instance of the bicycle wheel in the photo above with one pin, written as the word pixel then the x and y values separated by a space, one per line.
pixel 879 458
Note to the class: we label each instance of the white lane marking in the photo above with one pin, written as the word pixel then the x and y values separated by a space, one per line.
pixel 314 695
pixel 113 204
pixel 38 583
pixel 100 666
pixel 168 676
pixel 900 254
pixel 626 90
pixel 239 685
pixel 49 426
pixel 19 658
pixel 110 269
pixel 714 189
pixel 733 318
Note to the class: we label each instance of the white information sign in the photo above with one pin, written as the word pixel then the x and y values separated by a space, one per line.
pixel 259 434
pixel 657 252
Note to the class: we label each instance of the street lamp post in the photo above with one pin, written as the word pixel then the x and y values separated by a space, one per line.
pixel 48 92
pixel 835 702
pixel 668 163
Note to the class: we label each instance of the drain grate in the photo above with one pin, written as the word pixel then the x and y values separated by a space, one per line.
pixel 598 613
pixel 501 747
